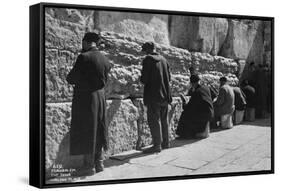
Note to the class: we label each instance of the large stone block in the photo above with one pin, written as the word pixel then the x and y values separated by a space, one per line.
pixel 199 34
pixel 122 118
pixel 63 35
pixel 155 31
pixel 243 36
pixel 152 27
pixel 71 15
pixel 57 65
pixel 57 127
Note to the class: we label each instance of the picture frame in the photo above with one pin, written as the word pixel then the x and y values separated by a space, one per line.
pixel 56 33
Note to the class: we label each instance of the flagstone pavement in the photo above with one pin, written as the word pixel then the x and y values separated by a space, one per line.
pixel 245 147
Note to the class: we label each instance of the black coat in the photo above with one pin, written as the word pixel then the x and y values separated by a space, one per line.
pixel 197 112
pixel 250 95
pixel 89 75
pixel 261 88
pixel 155 76
pixel 239 99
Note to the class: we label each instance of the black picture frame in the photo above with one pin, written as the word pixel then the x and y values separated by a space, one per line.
pixel 37 94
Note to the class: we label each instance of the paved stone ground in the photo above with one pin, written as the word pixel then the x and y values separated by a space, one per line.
pixel 245 147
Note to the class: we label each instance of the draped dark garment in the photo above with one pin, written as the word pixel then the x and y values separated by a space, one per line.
pixel 89 75
pixel 250 95
pixel 261 88
pixel 197 113
pixel 155 76
pixel 239 99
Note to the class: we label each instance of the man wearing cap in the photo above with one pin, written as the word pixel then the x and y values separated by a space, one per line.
pixel 224 103
pixel 213 90
pixel 197 113
pixel 88 132
pixel 155 76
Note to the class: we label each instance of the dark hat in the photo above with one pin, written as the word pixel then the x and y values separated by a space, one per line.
pixel 147 46
pixel 223 79
pixel 252 63
pixel 194 78
pixel 92 37
pixel 191 68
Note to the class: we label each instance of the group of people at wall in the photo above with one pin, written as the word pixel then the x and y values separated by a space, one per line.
pixel 89 133
pixel 209 108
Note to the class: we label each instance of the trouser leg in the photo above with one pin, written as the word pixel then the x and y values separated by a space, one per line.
pixel 164 125
pixel 98 151
pixel 153 118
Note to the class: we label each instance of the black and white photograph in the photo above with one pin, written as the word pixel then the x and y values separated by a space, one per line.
pixel 138 95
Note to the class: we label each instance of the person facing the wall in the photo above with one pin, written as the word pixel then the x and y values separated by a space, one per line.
pixel 250 95
pixel 213 90
pixel 240 105
pixel 197 113
pixel 155 76
pixel 224 104
pixel 88 132
pixel 261 88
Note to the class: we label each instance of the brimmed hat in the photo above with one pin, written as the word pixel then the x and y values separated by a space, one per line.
pixel 194 78
pixel 92 37
pixel 147 46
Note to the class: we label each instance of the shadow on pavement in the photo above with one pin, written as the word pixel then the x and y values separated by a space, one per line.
pixel 117 160
pixel 259 122
pixel 218 130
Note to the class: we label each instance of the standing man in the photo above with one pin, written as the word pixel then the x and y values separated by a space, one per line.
pixel 155 76
pixel 88 132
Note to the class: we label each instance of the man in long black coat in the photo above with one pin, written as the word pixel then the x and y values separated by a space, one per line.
pixel 155 76
pixel 88 132
pixel 261 87
pixel 197 113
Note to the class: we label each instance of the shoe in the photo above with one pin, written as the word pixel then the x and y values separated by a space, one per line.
pixel 165 145
pixel 201 135
pixel 153 149
pixel 99 166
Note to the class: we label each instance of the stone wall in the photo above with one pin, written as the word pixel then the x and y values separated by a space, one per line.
pixel 201 34
pixel 243 40
pixel 126 113
pixel 152 27
pixel 232 38
pixel 63 42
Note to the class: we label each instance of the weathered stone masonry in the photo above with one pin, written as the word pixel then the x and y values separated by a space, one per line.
pixel 126 112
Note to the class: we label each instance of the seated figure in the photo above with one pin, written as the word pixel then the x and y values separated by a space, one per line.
pixel 250 95
pixel 240 105
pixel 224 105
pixel 197 113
